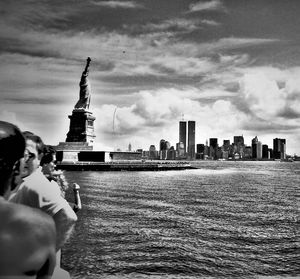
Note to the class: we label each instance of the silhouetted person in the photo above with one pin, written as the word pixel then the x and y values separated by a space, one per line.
pixel 36 191
pixel 27 235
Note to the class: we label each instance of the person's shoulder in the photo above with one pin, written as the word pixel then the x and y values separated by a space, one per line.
pixel 22 222
pixel 36 180
pixel 23 216
pixel 27 240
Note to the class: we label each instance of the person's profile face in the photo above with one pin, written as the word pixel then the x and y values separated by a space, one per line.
pixel 48 168
pixel 32 158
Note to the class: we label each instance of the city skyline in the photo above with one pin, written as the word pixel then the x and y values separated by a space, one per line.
pixel 231 66
pixel 208 143
pixel 215 150
pixel 186 148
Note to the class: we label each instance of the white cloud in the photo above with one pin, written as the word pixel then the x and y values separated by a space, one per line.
pixel 238 42
pixel 189 66
pixel 269 91
pixel 210 22
pixel 262 95
pixel 178 25
pixel 117 4
pixel 155 114
pixel 207 5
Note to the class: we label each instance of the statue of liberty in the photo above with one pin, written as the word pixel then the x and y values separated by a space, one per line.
pixel 85 89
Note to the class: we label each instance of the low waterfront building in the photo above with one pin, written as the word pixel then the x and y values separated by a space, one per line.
pixel 180 150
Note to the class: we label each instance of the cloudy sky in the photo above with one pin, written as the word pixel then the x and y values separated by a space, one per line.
pixel 233 66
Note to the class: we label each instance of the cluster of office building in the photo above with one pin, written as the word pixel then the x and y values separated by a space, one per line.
pixel 186 149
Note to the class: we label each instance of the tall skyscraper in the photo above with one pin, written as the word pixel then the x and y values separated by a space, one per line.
pixel 200 148
pixel 259 150
pixel 163 149
pixel 152 152
pixel 213 142
pixel 182 133
pixel 279 148
pixel 254 147
pixel 226 143
pixel 239 146
pixel 162 144
pixel 265 152
pixel 213 146
pixel 191 139
pixel 238 140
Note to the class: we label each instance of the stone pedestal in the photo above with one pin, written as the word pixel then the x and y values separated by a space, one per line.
pixel 81 127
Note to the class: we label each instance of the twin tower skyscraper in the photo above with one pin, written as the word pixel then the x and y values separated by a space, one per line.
pixel 187 138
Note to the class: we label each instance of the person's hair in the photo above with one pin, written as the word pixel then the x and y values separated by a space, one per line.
pixel 36 139
pixel 12 147
pixel 48 155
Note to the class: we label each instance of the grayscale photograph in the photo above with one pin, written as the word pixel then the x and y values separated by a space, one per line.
pixel 149 139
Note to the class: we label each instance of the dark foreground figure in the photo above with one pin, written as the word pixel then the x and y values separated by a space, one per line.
pixel 27 235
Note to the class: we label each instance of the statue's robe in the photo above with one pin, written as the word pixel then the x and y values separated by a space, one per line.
pixel 85 92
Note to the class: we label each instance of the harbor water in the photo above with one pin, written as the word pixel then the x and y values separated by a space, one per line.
pixel 224 220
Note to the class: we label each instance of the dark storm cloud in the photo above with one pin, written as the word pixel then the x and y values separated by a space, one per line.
pixel 260 125
pixel 170 27
pixel 34 100
pixel 242 105
pixel 69 15
pixel 163 69
pixel 151 81
pixel 102 66
pixel 15 46
pixel 289 113
pixel 34 14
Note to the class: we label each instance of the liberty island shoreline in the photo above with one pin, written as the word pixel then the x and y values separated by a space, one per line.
pixel 145 165
pixel 138 165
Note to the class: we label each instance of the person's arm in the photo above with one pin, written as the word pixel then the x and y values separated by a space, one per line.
pixel 77 199
pixel 64 220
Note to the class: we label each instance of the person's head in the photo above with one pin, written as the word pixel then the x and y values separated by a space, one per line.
pixel 33 153
pixel 12 146
pixel 48 160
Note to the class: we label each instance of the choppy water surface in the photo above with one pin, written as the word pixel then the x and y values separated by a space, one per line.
pixel 225 219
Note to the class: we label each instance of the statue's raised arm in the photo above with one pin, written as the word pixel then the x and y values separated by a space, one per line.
pixel 85 89
pixel 88 61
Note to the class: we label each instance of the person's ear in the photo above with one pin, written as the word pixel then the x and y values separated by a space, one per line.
pixel 17 172
pixel 17 168
pixel 40 156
